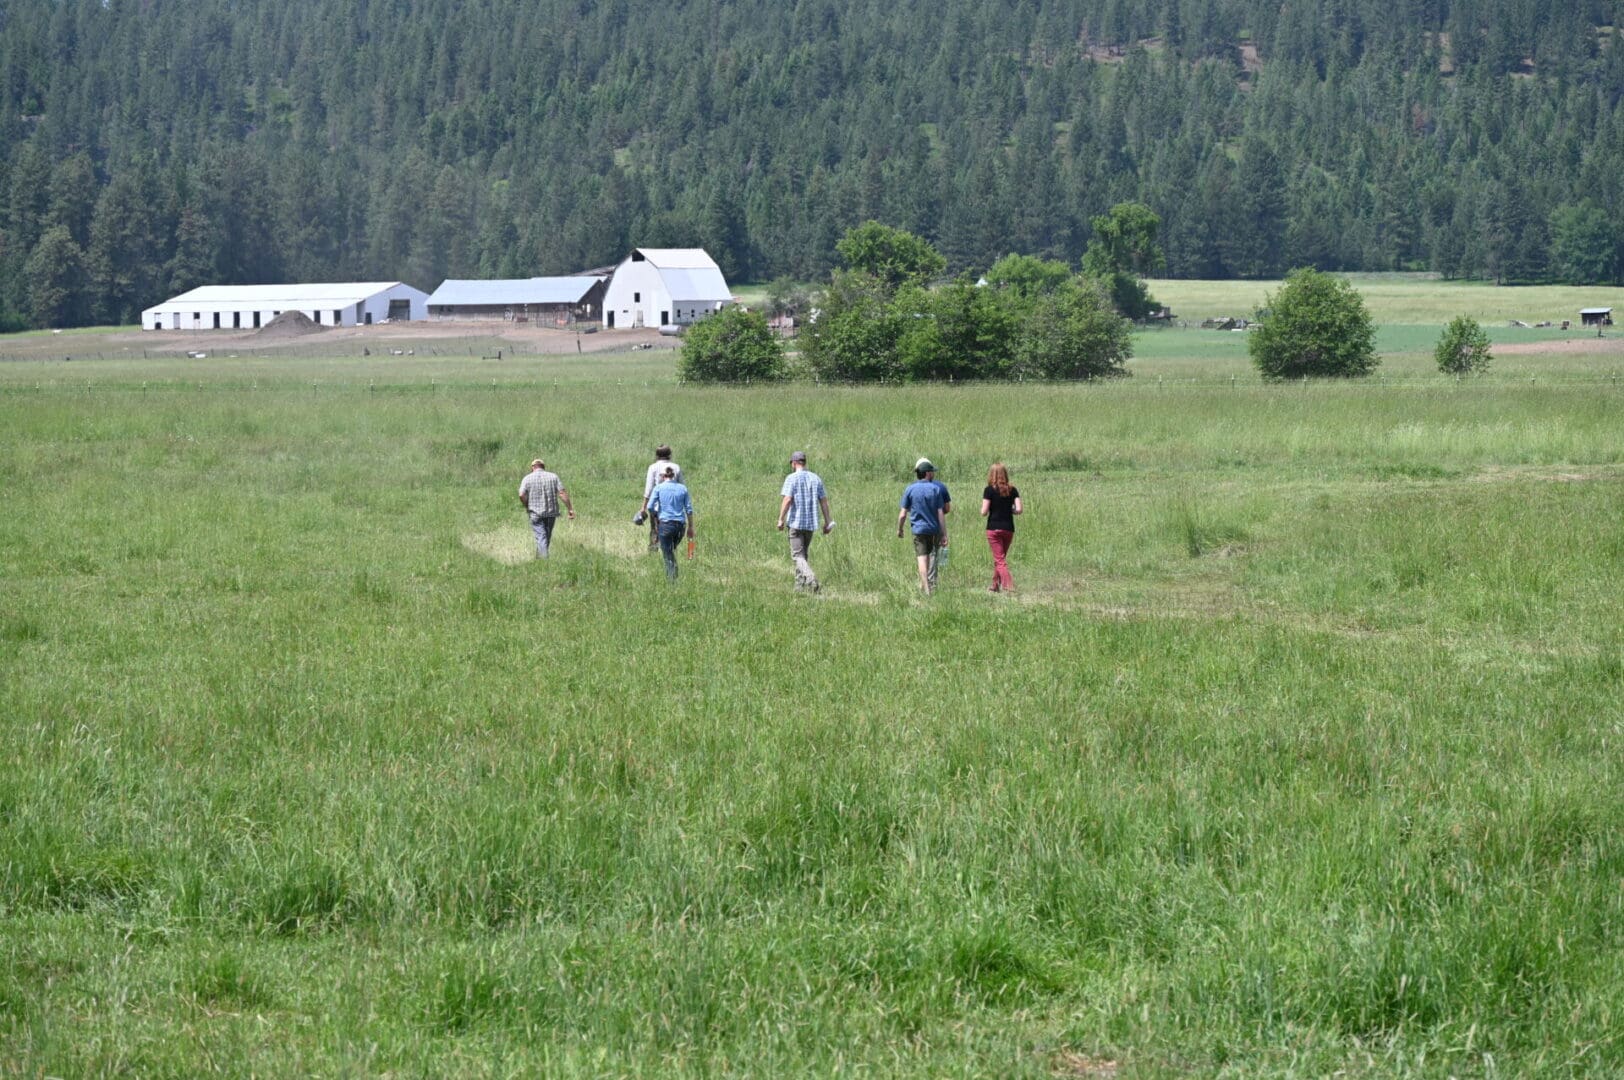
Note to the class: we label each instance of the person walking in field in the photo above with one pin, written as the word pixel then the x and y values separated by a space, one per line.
pixel 925 506
pixel 1000 505
pixel 802 497
pixel 672 508
pixel 652 477
pixel 540 492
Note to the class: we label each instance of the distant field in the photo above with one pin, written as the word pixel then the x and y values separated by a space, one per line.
pixel 1407 299
pixel 1402 299
pixel 1295 755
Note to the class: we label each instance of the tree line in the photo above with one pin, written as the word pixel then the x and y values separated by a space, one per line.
pixel 148 146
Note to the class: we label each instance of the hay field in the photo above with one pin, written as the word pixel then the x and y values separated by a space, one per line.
pixel 1297 753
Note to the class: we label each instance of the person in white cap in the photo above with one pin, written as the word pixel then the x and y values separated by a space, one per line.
pixel 925 506
pixel 802 497
pixel 651 478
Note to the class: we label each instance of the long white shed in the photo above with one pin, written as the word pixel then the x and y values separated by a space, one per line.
pixel 249 307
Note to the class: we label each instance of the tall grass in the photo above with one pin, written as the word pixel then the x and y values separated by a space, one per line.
pixel 1294 754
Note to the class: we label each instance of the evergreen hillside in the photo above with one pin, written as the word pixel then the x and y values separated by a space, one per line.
pixel 148 146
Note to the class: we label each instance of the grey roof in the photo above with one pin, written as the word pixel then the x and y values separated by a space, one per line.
pixel 705 285
pixel 541 290
pixel 1596 311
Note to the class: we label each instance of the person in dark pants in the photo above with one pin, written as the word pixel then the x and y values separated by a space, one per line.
pixel 652 476
pixel 1000 504
pixel 671 506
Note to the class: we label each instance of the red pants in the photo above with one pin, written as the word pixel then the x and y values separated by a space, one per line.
pixel 999 540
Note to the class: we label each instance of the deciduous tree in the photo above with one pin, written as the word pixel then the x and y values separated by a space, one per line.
pixel 1316 326
pixel 1463 349
pixel 733 345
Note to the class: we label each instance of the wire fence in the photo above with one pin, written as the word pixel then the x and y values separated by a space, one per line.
pixel 464 348
pixel 440 383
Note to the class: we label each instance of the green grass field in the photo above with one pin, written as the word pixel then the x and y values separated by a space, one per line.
pixel 1297 754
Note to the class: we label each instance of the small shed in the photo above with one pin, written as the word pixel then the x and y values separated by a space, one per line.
pixel 1596 316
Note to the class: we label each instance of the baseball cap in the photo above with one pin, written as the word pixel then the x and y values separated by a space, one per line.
pixel 924 465
pixel 538 464
pixel 799 455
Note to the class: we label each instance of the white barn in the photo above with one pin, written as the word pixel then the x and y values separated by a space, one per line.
pixel 664 287
pixel 249 307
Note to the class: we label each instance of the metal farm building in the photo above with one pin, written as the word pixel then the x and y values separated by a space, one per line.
pixel 249 307
pixel 543 301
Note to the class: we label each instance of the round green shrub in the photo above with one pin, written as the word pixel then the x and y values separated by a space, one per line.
pixel 733 345
pixel 1317 326
pixel 1464 348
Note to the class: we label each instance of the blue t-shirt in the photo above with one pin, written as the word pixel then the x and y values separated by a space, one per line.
pixel 922 499
pixel 671 501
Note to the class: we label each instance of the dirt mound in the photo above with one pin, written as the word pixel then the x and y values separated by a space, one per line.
pixel 289 324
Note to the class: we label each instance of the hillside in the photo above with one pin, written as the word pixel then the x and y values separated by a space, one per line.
pixel 146 147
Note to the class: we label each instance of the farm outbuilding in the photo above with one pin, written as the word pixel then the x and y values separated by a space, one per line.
pixel 556 301
pixel 664 287
pixel 249 307
pixel 1596 316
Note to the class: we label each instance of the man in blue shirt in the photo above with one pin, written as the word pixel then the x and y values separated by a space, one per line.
pixel 670 504
pixel 802 497
pixel 925 506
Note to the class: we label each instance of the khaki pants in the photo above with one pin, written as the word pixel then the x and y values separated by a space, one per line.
pixel 800 544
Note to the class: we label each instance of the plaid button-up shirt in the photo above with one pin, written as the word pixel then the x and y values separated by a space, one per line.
pixel 540 489
pixel 804 490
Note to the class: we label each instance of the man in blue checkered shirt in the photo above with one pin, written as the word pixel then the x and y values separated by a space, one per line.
pixel 803 497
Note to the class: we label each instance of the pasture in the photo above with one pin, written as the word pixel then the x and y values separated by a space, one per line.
pixel 1297 752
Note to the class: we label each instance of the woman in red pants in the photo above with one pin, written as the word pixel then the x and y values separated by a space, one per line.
pixel 1000 503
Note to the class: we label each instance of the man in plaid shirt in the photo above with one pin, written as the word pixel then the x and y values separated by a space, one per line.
pixel 540 493
pixel 803 496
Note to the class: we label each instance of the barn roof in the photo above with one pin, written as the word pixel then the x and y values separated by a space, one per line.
pixel 282 297
pixel 679 258
pixel 690 275
pixel 542 290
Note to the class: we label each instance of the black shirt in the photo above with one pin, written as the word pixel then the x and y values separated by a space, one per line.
pixel 1000 508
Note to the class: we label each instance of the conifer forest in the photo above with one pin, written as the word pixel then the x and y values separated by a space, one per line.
pixel 150 146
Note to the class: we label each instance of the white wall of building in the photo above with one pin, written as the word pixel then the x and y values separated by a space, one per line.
pixel 636 297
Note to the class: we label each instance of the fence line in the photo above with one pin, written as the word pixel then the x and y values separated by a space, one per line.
pixel 278 384
pixel 472 347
